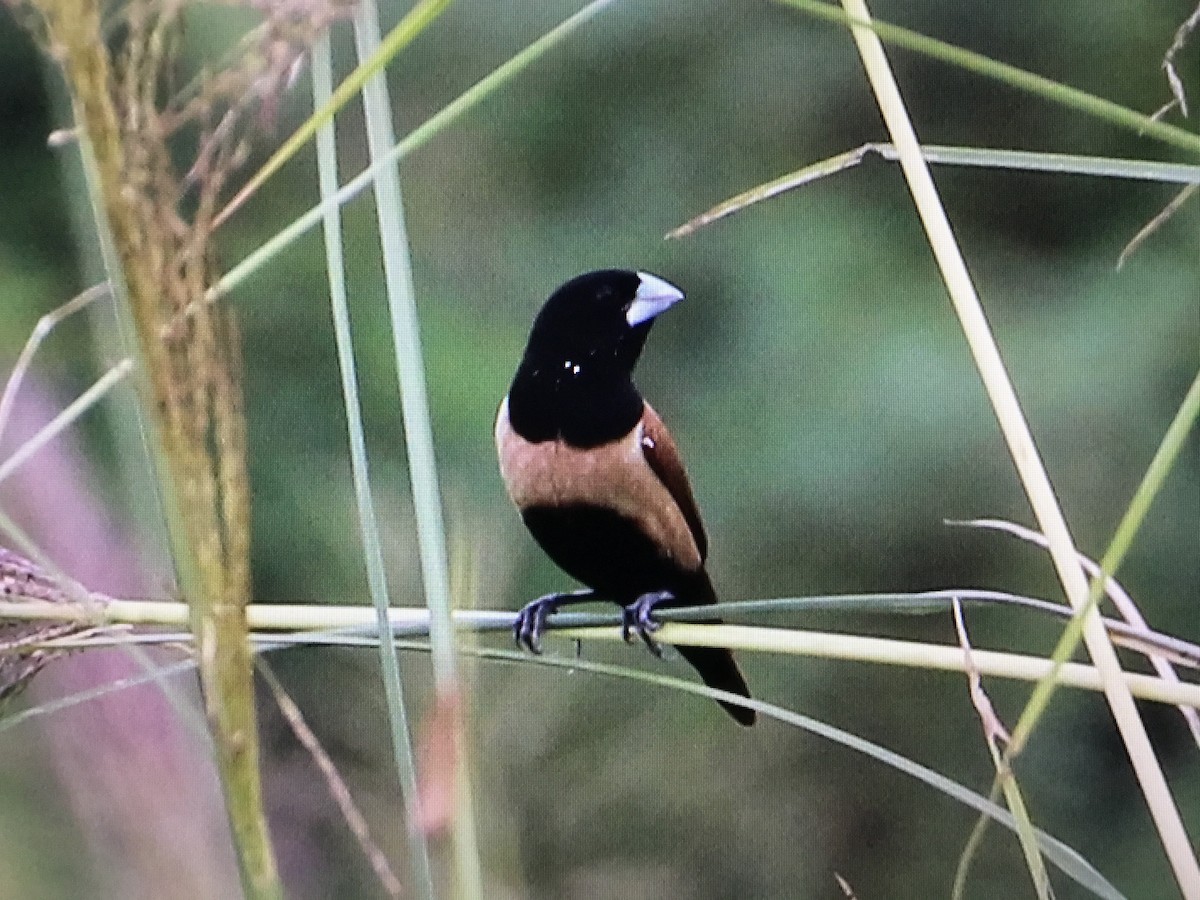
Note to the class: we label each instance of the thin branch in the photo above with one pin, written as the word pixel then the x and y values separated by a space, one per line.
pixel 1038 85
pixel 796 642
pixel 974 157
pixel 338 789
pixel 1023 449
pixel 415 139
pixel 1113 589
pixel 1182 34
pixel 1156 223
pixel 995 734
pixel 401 734
pixel 66 417
pixel 1066 859
pixel 43 328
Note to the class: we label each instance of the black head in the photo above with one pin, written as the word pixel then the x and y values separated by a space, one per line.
pixel 576 373
pixel 600 319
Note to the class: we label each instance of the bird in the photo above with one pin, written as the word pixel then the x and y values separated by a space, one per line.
pixel 595 474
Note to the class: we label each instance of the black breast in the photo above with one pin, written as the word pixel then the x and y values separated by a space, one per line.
pixel 608 552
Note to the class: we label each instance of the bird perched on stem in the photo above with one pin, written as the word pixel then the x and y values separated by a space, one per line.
pixel 595 474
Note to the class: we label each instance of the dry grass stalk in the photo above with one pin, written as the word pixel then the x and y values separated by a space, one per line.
pixel 158 226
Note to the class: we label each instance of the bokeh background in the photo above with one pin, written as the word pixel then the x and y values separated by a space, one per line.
pixel 816 379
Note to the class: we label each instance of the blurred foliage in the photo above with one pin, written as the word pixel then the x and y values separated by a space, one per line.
pixel 816 379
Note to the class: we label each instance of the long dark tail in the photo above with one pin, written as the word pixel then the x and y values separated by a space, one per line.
pixel 715 665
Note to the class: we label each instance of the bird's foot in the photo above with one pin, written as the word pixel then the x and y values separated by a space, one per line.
pixel 638 617
pixel 530 623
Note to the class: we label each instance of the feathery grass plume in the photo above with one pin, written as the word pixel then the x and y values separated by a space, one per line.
pixel 155 221
pixel 20 658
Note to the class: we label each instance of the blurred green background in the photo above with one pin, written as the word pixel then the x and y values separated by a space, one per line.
pixel 816 379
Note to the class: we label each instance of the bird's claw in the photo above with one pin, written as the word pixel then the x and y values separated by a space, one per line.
pixel 530 623
pixel 638 617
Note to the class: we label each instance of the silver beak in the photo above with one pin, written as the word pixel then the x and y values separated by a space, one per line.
pixel 653 296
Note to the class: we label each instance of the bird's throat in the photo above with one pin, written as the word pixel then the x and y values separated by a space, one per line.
pixel 577 405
